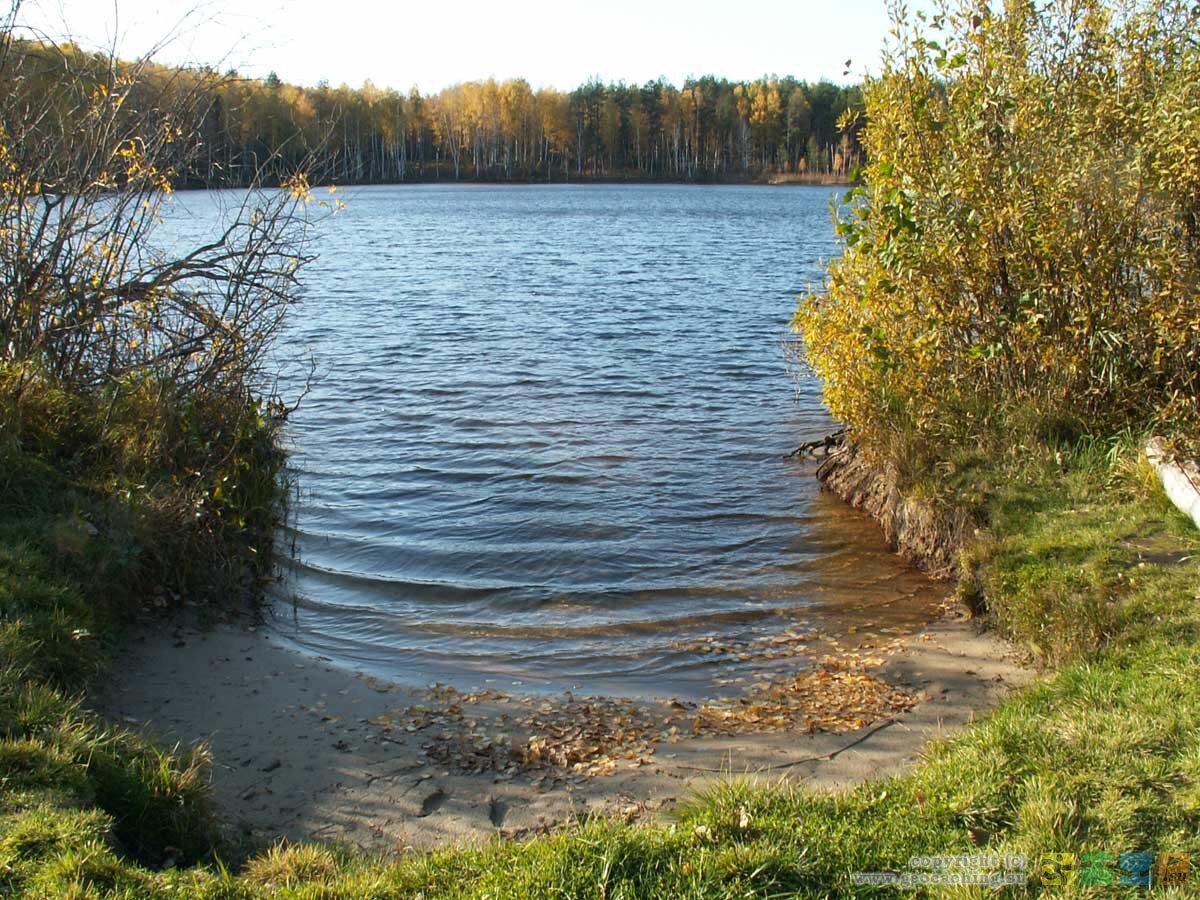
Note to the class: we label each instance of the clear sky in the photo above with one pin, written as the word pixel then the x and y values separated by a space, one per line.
pixel 430 44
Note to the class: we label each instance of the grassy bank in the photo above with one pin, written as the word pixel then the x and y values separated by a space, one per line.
pixel 114 505
pixel 1080 561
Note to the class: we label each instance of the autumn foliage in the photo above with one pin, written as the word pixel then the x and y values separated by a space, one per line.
pixel 708 129
pixel 127 358
pixel 1023 256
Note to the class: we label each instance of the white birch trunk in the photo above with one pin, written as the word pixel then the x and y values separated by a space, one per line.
pixel 1180 480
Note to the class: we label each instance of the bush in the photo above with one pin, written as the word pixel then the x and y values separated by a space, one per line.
pixel 136 371
pixel 1023 254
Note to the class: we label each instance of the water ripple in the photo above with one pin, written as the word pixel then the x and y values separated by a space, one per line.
pixel 547 437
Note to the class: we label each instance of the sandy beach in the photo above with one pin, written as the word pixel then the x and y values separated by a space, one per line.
pixel 304 750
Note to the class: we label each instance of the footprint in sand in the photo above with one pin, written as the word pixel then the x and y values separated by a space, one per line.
pixel 432 803
pixel 496 811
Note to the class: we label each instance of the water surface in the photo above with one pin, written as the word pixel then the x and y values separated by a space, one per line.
pixel 547 440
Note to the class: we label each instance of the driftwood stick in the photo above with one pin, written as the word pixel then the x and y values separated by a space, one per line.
pixel 824 757
pixel 827 443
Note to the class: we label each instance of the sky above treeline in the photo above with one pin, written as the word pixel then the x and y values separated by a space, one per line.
pixel 428 45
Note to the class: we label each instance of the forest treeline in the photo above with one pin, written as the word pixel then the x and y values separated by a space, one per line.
pixel 710 129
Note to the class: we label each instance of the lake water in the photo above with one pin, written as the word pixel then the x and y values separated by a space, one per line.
pixel 546 444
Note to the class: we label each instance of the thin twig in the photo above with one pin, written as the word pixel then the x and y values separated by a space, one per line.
pixel 828 442
pixel 798 762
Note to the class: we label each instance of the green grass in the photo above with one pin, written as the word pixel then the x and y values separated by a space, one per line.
pixel 1081 562
pixel 65 558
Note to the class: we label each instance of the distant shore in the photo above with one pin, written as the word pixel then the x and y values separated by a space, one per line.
pixel 770 179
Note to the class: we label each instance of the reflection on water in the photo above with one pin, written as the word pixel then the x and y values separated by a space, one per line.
pixel 547 438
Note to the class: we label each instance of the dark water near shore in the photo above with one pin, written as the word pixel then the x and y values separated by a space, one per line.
pixel 547 440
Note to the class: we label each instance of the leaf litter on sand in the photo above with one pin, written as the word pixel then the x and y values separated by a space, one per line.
pixel 839 695
pixel 577 738
pixel 782 645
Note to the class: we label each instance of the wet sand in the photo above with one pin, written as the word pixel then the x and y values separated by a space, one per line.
pixel 304 750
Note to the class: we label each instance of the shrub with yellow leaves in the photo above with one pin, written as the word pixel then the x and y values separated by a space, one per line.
pixel 1022 256
pixel 143 368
